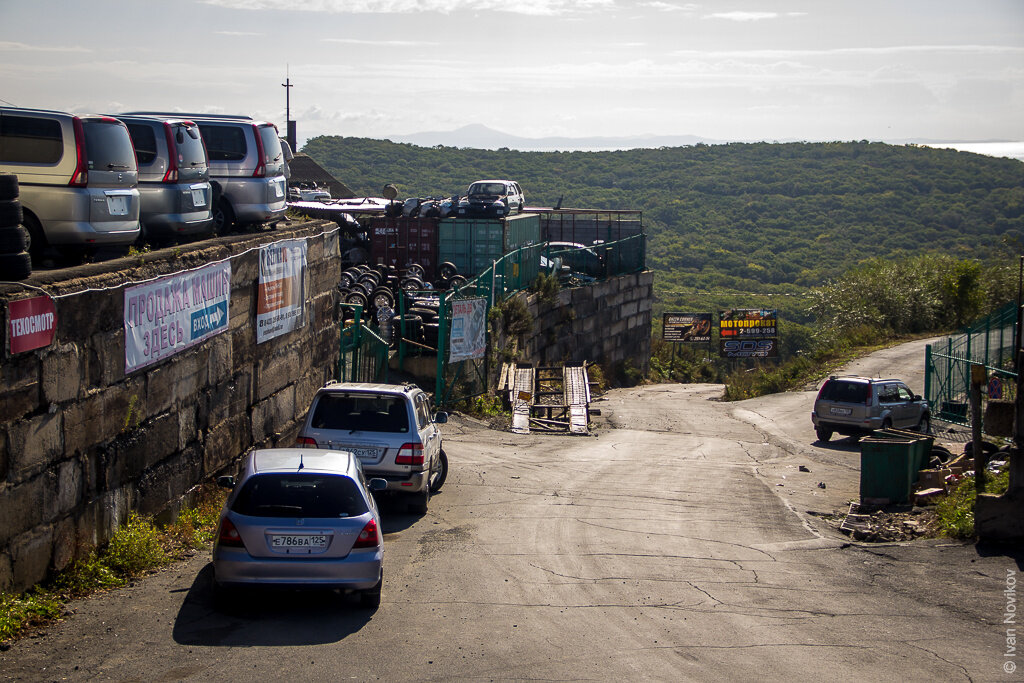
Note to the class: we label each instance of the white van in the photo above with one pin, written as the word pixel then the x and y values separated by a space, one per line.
pixel 78 177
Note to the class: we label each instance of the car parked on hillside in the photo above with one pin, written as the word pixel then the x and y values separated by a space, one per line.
pixel 77 175
pixel 493 199
pixel 857 405
pixel 246 168
pixel 300 517
pixel 389 427
pixel 174 177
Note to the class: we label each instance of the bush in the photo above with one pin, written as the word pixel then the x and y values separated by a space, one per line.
pixel 135 547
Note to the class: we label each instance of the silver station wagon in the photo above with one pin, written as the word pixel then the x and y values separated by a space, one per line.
pixel 300 517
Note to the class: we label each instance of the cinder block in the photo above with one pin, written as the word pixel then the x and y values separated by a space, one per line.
pixel 168 481
pixel 69 486
pixel 274 373
pixel 6 573
pixel 188 432
pixel 628 308
pixel 179 380
pixel 30 557
pixel 64 543
pixel 224 443
pixel 35 443
pixel 21 507
pixel 62 374
pixel 219 366
pixel 21 388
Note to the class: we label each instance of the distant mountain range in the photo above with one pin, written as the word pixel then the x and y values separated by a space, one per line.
pixel 477 136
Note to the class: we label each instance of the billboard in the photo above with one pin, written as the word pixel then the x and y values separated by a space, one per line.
pixel 748 333
pixel 469 329
pixel 168 315
pixel 281 293
pixel 691 328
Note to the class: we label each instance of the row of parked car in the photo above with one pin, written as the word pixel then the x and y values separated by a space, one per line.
pixel 107 180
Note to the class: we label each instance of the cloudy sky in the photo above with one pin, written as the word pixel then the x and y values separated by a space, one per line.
pixel 765 70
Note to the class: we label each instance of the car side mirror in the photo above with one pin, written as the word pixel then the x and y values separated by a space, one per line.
pixel 378 484
pixel 916 397
pixel 227 482
pixel 440 417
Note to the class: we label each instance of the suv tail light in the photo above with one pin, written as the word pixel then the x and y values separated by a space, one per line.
pixel 172 156
pixel 229 535
pixel 80 178
pixel 305 441
pixel 368 537
pixel 261 161
pixel 410 454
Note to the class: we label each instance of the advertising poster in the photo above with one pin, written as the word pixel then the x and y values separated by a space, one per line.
pixel 691 328
pixel 281 294
pixel 469 329
pixel 32 323
pixel 168 315
pixel 748 333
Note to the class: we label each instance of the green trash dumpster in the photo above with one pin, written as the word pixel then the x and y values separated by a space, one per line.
pixel 920 450
pixel 888 468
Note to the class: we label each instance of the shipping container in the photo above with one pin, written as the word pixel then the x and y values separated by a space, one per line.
pixel 473 244
pixel 588 227
pixel 400 241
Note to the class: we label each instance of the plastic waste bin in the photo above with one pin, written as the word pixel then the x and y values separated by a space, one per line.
pixel 887 469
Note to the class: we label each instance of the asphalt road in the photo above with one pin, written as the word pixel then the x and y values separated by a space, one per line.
pixel 664 548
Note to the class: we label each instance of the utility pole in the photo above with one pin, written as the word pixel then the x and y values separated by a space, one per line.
pixel 288 123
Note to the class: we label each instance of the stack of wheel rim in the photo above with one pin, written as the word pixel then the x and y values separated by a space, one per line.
pixel 15 263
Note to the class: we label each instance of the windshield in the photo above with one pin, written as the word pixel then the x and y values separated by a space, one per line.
pixel 300 495
pixel 487 188
pixel 108 146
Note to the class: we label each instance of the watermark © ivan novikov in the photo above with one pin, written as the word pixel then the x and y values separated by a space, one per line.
pixel 1010 621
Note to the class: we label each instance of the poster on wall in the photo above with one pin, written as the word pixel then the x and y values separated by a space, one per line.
pixel 469 329
pixel 281 294
pixel 32 323
pixel 689 328
pixel 168 315
pixel 748 333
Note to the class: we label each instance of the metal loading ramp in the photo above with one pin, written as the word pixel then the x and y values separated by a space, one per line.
pixel 547 399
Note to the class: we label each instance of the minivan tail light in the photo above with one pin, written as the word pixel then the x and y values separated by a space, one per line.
pixel 369 537
pixel 261 162
pixel 172 156
pixel 410 454
pixel 306 441
pixel 229 536
pixel 80 178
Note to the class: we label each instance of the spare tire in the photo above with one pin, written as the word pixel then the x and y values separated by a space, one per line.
pixel 10 213
pixel 15 266
pixel 13 240
pixel 8 186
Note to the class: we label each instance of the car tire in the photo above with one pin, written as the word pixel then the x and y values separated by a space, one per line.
pixel 415 270
pixel 14 267
pixel 371 597
pixel 419 502
pixel 223 217
pixel 823 434
pixel 13 240
pixel 10 213
pixel 439 474
pixel 356 298
pixel 447 270
pixel 925 425
pixel 382 296
pixel 886 423
pixel 8 186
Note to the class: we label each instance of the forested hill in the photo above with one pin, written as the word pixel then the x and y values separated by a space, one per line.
pixel 738 217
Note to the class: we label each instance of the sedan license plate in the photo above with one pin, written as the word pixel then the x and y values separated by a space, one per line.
pixel 117 204
pixel 306 542
pixel 840 411
pixel 198 197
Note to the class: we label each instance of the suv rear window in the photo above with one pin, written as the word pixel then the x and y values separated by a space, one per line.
pixel 845 391
pixel 224 143
pixel 271 144
pixel 108 147
pixel 300 495
pixel 28 140
pixel 364 412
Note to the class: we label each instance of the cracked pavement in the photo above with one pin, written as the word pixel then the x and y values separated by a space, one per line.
pixel 662 548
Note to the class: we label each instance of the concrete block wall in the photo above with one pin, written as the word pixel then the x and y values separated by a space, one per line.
pixel 83 444
pixel 606 322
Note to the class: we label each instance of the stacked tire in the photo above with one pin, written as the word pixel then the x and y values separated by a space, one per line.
pixel 15 263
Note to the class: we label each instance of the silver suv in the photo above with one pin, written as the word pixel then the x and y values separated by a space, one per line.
pixel 77 175
pixel 492 198
pixel 174 176
pixel 389 427
pixel 246 168
pixel 857 405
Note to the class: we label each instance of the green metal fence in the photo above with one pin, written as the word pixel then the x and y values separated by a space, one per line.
pixel 363 354
pixel 989 342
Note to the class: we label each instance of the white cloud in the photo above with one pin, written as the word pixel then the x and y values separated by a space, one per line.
pixel 528 7
pixel 238 33
pixel 20 47
pixel 382 43
pixel 669 7
pixel 743 16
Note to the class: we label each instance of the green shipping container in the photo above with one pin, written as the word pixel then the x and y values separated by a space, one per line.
pixel 472 244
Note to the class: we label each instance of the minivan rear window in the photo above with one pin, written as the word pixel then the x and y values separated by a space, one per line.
pixel 108 147
pixel 224 143
pixel 144 140
pixel 361 412
pixel 845 392
pixel 292 495
pixel 29 140
pixel 191 152
pixel 271 144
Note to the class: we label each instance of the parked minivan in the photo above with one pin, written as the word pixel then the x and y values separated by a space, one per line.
pixel 174 176
pixel 246 168
pixel 78 177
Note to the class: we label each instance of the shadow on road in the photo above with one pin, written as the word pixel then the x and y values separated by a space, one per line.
pixel 265 617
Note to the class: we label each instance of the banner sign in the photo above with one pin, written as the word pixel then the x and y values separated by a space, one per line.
pixel 168 315
pixel 469 329
pixel 748 333
pixel 33 322
pixel 693 328
pixel 281 295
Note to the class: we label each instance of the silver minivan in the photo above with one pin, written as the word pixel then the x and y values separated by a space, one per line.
pixel 174 177
pixel 78 177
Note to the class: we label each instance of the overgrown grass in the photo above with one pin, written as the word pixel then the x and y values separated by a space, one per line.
pixel 955 513
pixel 137 547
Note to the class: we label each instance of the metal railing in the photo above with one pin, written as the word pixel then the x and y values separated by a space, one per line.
pixel 362 354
